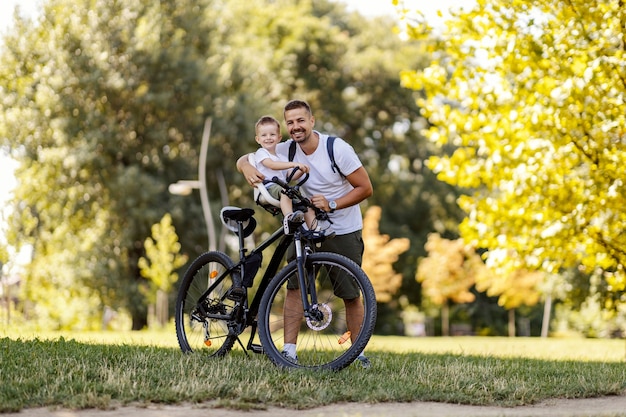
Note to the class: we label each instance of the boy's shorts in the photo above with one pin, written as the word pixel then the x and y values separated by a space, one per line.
pixel 274 190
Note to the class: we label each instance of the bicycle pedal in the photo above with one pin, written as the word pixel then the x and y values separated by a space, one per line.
pixel 236 294
pixel 256 348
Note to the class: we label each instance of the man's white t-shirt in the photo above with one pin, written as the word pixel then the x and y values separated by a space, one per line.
pixel 322 180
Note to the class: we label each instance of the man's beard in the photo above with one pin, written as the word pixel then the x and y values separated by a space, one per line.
pixel 302 136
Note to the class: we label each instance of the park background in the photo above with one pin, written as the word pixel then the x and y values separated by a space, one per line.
pixel 493 145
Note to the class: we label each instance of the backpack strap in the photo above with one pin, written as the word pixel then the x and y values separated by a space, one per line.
pixel 292 150
pixel 329 148
pixel 331 154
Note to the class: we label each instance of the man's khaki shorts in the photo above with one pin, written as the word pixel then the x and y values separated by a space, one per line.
pixel 350 246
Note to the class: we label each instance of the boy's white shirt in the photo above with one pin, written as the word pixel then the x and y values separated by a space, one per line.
pixel 269 173
pixel 322 180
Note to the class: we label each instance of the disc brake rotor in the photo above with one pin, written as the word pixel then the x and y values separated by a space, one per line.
pixel 320 318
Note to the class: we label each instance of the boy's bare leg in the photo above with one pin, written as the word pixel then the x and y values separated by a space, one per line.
pixel 309 219
pixel 286 205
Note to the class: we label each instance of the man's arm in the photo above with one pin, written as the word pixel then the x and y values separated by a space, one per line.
pixel 249 171
pixel 363 189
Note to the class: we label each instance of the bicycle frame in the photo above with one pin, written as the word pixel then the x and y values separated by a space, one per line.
pixel 244 313
pixel 250 311
pixel 214 308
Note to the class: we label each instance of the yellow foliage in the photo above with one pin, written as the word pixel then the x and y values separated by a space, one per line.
pixel 162 256
pixel 379 256
pixel 514 289
pixel 449 270
pixel 531 95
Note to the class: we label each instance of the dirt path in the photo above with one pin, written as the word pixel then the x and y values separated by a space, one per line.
pixel 593 407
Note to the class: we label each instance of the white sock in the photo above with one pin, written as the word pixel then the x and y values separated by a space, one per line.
pixel 290 348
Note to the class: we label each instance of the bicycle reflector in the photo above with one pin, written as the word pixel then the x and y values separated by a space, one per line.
pixel 345 337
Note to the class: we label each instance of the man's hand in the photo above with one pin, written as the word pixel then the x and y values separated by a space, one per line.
pixel 249 171
pixel 252 175
pixel 320 202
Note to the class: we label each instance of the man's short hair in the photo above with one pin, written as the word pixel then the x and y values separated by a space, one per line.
pixel 298 104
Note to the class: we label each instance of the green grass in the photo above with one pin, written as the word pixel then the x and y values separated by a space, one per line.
pixel 105 370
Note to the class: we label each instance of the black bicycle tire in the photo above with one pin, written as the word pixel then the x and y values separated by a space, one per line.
pixel 194 273
pixel 269 298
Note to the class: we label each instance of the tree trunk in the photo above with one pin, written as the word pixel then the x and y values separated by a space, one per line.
pixel 547 309
pixel 5 290
pixel 152 317
pixel 140 321
pixel 161 308
pixel 512 322
pixel 445 319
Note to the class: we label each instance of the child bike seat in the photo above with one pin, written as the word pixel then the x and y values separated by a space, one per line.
pixel 261 196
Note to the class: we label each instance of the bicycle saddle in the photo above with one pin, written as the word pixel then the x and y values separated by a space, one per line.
pixel 230 216
pixel 237 214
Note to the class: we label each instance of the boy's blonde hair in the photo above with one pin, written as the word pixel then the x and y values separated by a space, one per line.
pixel 266 120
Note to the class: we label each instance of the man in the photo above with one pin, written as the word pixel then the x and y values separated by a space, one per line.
pixel 330 191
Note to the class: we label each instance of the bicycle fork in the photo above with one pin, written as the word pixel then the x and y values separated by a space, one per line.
pixel 306 283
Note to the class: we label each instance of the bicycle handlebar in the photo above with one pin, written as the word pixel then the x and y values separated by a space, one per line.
pixel 293 192
pixel 293 173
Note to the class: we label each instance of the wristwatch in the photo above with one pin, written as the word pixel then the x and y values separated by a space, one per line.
pixel 333 205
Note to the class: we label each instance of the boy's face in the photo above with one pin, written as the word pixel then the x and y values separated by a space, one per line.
pixel 268 135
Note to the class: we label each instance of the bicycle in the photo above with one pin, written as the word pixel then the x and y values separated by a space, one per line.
pixel 213 307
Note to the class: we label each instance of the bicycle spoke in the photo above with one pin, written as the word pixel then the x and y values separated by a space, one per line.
pixel 329 335
pixel 202 324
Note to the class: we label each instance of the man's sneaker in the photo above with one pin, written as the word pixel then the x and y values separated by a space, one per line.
pixel 290 358
pixel 364 361
pixel 292 221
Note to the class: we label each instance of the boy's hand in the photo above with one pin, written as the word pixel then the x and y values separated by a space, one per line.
pixel 304 168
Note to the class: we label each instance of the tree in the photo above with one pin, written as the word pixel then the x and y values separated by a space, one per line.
pixel 347 68
pixel 162 259
pixel 513 290
pixel 5 296
pixel 530 97
pixel 103 109
pixel 379 256
pixel 448 273
pixel 103 106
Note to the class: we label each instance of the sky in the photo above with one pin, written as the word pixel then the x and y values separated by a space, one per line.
pixel 28 8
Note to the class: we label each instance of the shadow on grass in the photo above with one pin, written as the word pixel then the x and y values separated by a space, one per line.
pixel 71 374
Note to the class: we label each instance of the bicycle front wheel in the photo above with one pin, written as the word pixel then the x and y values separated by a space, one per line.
pixel 339 323
pixel 202 318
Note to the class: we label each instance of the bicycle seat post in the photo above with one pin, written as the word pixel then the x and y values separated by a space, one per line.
pixel 242 249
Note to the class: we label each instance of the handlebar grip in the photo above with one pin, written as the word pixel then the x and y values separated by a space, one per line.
pixel 280 182
pixel 293 173
pixel 304 179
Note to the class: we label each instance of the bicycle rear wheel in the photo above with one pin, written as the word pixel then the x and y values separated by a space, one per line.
pixel 328 338
pixel 195 330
